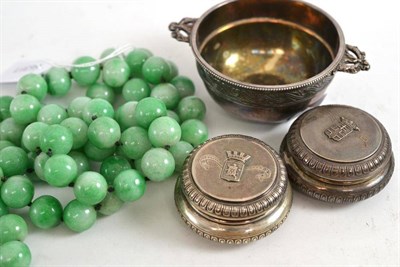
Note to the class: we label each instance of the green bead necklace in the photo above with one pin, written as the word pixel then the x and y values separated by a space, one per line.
pixel 148 137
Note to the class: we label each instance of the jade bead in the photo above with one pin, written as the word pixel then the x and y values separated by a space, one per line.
pixel 99 90
pixel 5 143
pixel 97 154
pixel 135 89
pixel 85 76
pixel 135 142
pixel 194 132
pixel 125 115
pixel 5 102
pixel 15 254
pixel 79 217
pixel 158 164
pixel 113 166
pixel 191 107
pixel 148 109
pixel 58 81
pixel 17 192
pixel 13 161
pixel 180 151
pixel 110 204
pixel 129 185
pixel 24 108
pixel 46 212
pixel 33 84
pixel 104 132
pixel 97 108
pixel 11 131
pixel 52 114
pixel 12 227
pixel 56 140
pixel 3 208
pixel 107 52
pixel 155 69
pixel 116 72
pixel 76 106
pixel 39 163
pixel 184 85
pixel 167 93
pixel 32 135
pixel 60 170
pixel 90 188
pixel 78 129
pixel 135 60
pixel 81 160
pixel 172 114
pixel 164 131
pixel 173 71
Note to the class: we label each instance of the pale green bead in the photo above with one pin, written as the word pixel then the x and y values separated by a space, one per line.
pixel 52 114
pixel 17 192
pixel 155 69
pixel 79 130
pixel 11 131
pixel 113 166
pixel 184 85
pixel 104 132
pixel 78 216
pixel 12 227
pixel 77 105
pixel 32 135
pixel 24 108
pixel 39 163
pixel 135 59
pixel 164 131
pixel 5 102
pixel 13 161
pixel 149 109
pixel 110 204
pixel 180 151
pixel 82 162
pixel 85 76
pixel 135 142
pixel 194 132
pixel 116 72
pixel 59 81
pixel 158 164
pixel 57 140
pixel 125 115
pixel 97 108
pixel 172 114
pixel 15 254
pixel 60 170
pixel 129 185
pixel 33 84
pixel 90 188
pixel 99 90
pixel 97 154
pixel 167 93
pixel 191 107
pixel 135 89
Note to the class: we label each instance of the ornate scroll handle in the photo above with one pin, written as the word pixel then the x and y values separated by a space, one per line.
pixel 181 31
pixel 353 60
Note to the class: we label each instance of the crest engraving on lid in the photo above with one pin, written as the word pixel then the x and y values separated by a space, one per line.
pixel 341 129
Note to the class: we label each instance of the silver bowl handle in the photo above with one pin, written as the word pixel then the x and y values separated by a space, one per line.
pixel 353 60
pixel 181 31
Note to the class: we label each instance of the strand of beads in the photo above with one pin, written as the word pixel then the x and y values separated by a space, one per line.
pixel 149 134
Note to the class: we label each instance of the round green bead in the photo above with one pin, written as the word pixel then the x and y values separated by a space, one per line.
pixel 58 81
pixel 12 227
pixel 90 188
pixel 5 102
pixel 99 90
pixel 82 162
pixel 39 164
pixel 97 154
pixel 15 254
pixel 135 89
pixel 3 208
pixel 112 166
pixel 135 60
pixel 17 192
pixel 173 71
pixel 184 85
pixel 60 170
pixel 52 114
pixel 135 142
pixel 173 115
pixel 164 131
pixel 78 216
pixel 46 212
pixel 11 131
pixel 106 53
pixel 13 161
pixel 24 109
pixel 33 84
pixel 194 132
pixel 116 72
pixel 191 107
pixel 155 69
pixel 167 93
pixel 97 108
pixel 180 151
pixel 125 115
pixel 85 76
pixel 77 105
pixel 110 204
pixel 158 164
pixel 148 109
pixel 56 140
pixel 129 185
pixel 104 132
pixel 32 135
pixel 79 130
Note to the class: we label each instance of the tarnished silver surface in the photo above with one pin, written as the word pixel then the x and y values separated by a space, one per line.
pixel 338 154
pixel 234 189
pixel 266 60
